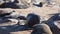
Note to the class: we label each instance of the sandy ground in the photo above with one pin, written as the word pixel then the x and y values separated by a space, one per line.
pixel 41 11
